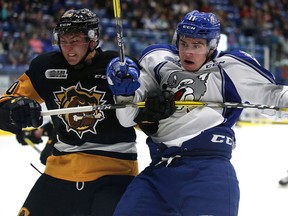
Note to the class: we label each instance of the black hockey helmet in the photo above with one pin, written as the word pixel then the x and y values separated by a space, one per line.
pixel 74 21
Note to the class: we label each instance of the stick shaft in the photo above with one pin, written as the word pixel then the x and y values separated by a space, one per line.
pixel 177 103
pixel 30 143
pixel 90 108
pixel 230 105
pixel 119 30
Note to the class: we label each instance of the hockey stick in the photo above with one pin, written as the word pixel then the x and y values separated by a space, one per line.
pixel 90 108
pixel 119 30
pixel 177 103
pixel 30 143
pixel 230 105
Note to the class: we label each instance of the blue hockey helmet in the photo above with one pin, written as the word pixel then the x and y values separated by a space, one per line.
pixel 74 21
pixel 197 24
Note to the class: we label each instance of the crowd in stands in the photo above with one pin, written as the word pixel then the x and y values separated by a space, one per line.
pixel 26 25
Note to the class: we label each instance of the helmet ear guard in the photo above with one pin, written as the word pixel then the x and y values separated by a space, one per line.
pixel 213 43
pixel 94 41
pixel 55 41
pixel 91 34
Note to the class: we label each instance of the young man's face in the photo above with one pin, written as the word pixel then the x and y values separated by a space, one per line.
pixel 192 52
pixel 74 46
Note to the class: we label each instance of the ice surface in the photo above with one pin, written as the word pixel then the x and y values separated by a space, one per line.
pixel 260 160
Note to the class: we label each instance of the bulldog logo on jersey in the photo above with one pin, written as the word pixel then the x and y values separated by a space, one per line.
pixel 187 86
pixel 75 96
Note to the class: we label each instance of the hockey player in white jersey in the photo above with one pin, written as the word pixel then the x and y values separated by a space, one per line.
pixel 191 173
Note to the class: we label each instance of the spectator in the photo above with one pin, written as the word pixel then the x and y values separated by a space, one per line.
pixel 36 44
pixel 15 55
pixel 281 74
pixel 237 20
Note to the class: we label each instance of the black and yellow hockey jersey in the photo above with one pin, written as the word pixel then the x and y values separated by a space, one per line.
pixel 90 144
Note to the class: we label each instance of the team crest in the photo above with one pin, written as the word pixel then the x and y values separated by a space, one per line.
pixel 76 96
pixel 187 86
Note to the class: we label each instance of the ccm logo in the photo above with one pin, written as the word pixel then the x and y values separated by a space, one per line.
pixel 222 139
pixel 188 27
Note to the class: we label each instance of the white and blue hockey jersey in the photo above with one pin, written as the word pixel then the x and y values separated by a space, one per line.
pixel 229 77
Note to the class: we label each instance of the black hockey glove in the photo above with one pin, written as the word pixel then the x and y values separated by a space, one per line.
pixel 25 112
pixel 28 134
pixel 158 105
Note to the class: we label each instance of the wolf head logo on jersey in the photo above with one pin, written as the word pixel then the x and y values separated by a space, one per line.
pixel 75 96
pixel 187 86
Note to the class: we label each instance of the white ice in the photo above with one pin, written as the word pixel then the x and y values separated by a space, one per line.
pixel 260 160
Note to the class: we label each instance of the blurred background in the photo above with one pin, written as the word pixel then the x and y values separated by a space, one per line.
pixel 255 26
pixel 260 159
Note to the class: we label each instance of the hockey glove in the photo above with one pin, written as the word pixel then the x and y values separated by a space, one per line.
pixel 123 80
pixel 158 105
pixel 28 134
pixel 25 112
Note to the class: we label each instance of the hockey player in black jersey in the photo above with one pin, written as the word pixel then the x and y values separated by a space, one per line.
pixel 94 158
